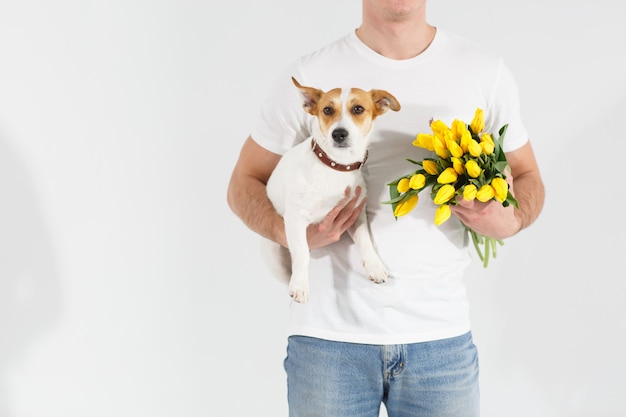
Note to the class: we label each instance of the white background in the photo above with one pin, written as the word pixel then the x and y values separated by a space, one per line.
pixel 128 288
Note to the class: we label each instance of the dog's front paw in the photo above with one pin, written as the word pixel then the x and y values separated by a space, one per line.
pixel 299 293
pixel 376 271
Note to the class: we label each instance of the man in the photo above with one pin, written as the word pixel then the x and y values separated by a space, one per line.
pixel 406 343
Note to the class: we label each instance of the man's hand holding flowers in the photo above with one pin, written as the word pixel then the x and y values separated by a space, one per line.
pixel 488 219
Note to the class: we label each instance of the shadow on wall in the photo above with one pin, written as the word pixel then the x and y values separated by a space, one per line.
pixel 29 284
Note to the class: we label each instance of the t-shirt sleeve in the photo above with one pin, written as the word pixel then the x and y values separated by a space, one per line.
pixel 505 109
pixel 282 122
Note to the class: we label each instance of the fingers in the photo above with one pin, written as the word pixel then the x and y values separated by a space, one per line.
pixel 349 213
pixel 460 201
pixel 343 211
pixel 337 221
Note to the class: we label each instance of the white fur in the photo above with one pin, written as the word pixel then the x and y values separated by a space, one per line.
pixel 304 190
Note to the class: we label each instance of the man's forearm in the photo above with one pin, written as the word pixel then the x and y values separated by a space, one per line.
pixel 530 194
pixel 247 198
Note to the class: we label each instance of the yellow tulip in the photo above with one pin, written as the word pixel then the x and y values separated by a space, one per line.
pixel 439 128
pixel 403 185
pixel 469 192
pixel 466 139
pixel 487 143
pixel 448 176
pixel 454 148
pixel 424 140
pixel 417 181
pixel 474 148
pixel 473 169
pixel 457 164
pixel 440 147
pixel 458 128
pixel 501 188
pixel 444 194
pixel 485 193
pixel 430 167
pixel 406 205
pixel 487 147
pixel 478 122
pixel 442 214
pixel 486 137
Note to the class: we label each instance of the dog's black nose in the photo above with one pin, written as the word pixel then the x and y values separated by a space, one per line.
pixel 339 135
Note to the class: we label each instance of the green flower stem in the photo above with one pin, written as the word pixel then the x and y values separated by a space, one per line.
pixel 487 252
pixel 490 246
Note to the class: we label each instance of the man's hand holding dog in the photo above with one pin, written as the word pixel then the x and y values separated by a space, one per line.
pixel 338 220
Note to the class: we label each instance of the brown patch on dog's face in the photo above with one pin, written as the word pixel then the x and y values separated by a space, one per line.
pixel 362 109
pixel 329 109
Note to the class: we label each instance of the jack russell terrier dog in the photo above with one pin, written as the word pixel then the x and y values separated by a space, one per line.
pixel 312 177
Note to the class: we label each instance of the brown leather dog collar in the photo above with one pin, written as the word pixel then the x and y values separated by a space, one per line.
pixel 319 152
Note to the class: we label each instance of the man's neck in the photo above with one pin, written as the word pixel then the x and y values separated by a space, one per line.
pixel 399 38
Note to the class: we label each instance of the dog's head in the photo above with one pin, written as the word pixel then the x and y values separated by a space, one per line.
pixel 345 117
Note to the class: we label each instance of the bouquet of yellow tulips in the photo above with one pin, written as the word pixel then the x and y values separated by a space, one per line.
pixel 469 163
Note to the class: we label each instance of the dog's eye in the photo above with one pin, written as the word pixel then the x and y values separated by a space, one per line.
pixel 357 109
pixel 328 111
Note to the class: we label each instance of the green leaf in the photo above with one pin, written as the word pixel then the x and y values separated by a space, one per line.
pixel 511 200
pixel 502 133
pixel 500 166
pixel 394 200
pixel 395 197
pixel 394 193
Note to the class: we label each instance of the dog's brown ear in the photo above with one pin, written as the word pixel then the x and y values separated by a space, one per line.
pixel 384 101
pixel 310 97
pixel 295 82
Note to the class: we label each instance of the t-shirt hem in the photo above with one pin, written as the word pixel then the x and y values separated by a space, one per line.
pixel 380 339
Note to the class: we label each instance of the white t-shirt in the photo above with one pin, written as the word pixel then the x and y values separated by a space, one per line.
pixel 425 297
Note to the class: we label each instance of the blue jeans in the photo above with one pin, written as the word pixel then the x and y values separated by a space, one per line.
pixel 336 379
